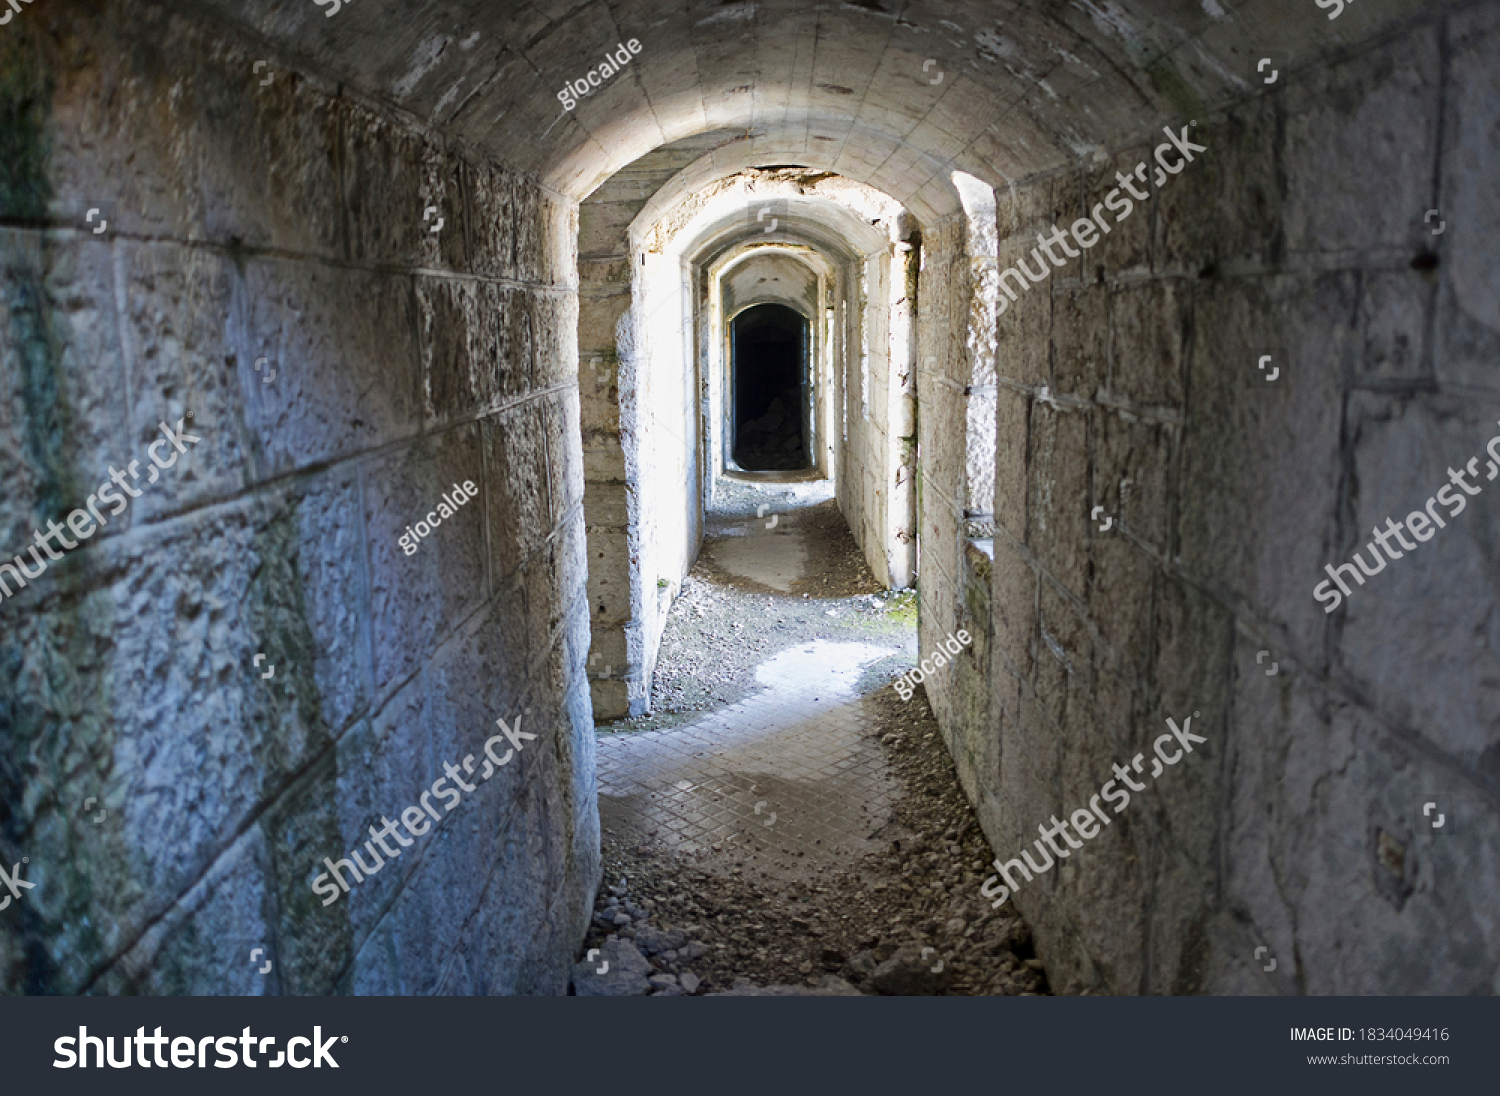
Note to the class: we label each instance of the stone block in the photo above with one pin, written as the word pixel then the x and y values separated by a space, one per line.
pixel 384 175
pixel 493 229
pixel 1376 901
pixel 267 156
pixel 1467 333
pixel 1021 211
pixel 556 360
pixel 1014 598
pixel 1248 229
pixel 1260 465
pixel 1394 311
pixel 559 417
pixel 606 504
pixel 314 941
pixel 1359 147
pixel 598 316
pixel 1066 656
pixel 443 209
pixel 533 236
pixel 1120 597
pixel 476 347
pixel 418 598
pixel 1133 464
pixel 1148 342
pixel 546 598
pixel 512 341
pixel 194 731
pixel 1107 898
pixel 1194 638
pixel 188 352
pixel 1080 341
pixel 383 768
pixel 1029 760
pixel 1022 334
pixel 979 456
pixel 480 677
pixel 1127 248
pixel 611 700
pixel 1188 216
pixel 330 332
pixel 1259 810
pixel 942 445
pixel 329 561
pixel 64 421
pixel 1058 504
pixel 455 380
pixel 515 456
pixel 559 221
pixel 224 915
pixel 1422 636
pixel 1012 439
pixel 602 226
pixel 980 332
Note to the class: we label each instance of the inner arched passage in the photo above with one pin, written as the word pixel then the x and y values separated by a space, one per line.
pixel 659 294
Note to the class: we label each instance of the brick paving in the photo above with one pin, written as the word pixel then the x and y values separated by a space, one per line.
pixel 787 775
pixel 785 781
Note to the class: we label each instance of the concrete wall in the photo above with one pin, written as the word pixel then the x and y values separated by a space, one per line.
pixel 642 454
pixel 663 454
pixel 955 385
pixel 282 221
pixel 1129 380
pixel 874 390
pixel 604 297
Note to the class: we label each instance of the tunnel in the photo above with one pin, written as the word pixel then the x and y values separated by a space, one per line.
pixel 769 352
pixel 434 437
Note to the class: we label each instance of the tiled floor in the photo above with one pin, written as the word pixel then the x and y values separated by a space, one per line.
pixel 786 781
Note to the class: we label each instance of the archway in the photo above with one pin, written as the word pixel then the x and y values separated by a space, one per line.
pixel 771 411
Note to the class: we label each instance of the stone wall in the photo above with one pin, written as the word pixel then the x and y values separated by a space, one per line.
pixel 955 385
pixel 873 391
pixel 616 661
pixel 1129 380
pixel 278 224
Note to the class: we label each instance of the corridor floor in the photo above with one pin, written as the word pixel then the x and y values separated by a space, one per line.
pixel 782 818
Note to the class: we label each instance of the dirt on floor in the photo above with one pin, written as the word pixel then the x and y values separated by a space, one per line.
pixel 907 918
pixel 920 890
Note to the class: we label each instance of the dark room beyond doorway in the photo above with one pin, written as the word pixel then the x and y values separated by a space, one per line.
pixel 770 416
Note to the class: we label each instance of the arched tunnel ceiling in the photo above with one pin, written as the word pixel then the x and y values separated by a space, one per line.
pixel 637 182
pixel 892 94
pixel 724 224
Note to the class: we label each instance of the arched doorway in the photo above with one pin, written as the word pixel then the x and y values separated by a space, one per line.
pixel 771 413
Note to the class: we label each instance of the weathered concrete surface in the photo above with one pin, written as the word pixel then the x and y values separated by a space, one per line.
pixel 1128 380
pixel 284 223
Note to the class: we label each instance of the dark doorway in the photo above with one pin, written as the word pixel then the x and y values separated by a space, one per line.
pixel 769 356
